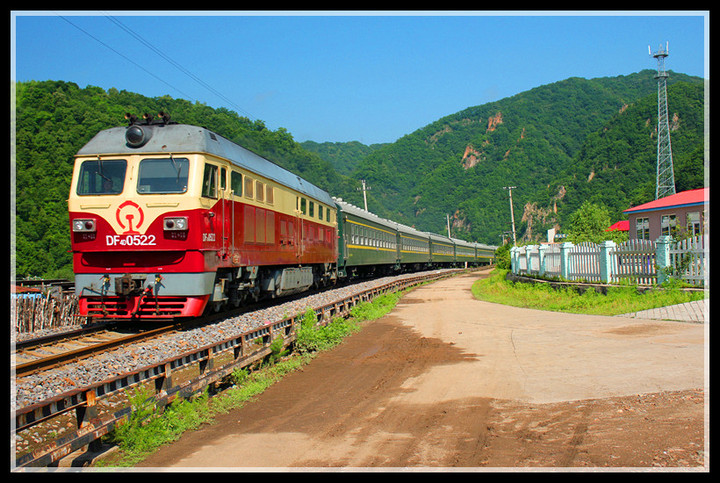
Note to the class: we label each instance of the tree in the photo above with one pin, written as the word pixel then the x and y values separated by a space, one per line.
pixel 588 224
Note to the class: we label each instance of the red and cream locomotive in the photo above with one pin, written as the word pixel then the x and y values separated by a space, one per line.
pixel 169 219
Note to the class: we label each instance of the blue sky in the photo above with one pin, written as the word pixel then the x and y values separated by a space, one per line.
pixel 341 76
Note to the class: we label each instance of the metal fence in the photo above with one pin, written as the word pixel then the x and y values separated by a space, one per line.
pixel 643 262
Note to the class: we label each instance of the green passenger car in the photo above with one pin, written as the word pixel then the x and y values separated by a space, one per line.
pixel 442 251
pixel 414 248
pixel 465 253
pixel 368 244
pixel 485 254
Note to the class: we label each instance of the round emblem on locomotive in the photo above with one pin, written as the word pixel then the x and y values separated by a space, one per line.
pixel 133 215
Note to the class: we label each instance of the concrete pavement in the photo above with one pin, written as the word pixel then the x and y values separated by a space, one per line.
pixel 696 311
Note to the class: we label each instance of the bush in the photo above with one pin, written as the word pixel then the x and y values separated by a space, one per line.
pixel 313 339
pixel 502 257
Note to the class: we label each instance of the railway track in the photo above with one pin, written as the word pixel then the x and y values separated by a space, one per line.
pixel 47 352
pixel 44 353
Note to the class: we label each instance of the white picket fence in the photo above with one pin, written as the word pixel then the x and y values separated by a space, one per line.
pixel 638 261
pixel 635 261
pixel 689 257
pixel 584 262
pixel 552 260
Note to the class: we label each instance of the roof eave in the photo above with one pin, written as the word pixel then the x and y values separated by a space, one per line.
pixel 661 208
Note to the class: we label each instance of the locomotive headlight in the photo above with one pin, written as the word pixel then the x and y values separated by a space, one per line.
pixel 83 225
pixel 175 223
pixel 136 136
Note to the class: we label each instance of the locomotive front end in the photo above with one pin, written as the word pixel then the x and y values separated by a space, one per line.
pixel 136 225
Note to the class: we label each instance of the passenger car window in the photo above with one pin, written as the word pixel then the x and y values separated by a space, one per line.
pixel 249 183
pixel 101 177
pixel 209 186
pixel 236 183
pixel 223 179
pixel 163 175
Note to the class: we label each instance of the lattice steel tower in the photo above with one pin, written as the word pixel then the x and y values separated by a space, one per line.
pixel 665 184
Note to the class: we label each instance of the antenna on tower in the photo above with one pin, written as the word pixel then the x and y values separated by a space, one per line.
pixel 665 178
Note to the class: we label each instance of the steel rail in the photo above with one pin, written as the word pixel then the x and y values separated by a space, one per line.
pixel 29 344
pixel 31 367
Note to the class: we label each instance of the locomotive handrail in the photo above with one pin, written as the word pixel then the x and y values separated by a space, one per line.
pixel 84 400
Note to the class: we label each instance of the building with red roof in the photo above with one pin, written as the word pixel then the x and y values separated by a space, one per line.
pixel 622 225
pixel 684 211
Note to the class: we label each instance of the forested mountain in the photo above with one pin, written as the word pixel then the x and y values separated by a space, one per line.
pixel 343 156
pixel 546 142
pixel 616 165
pixel 559 144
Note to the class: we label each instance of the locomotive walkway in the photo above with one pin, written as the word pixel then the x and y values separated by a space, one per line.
pixel 446 380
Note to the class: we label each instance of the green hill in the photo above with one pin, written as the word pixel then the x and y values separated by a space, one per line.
pixel 459 164
pixel 616 166
pixel 559 144
pixel 344 157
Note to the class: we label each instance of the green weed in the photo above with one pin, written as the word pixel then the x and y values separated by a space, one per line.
pixel 312 338
pixel 618 300
pixel 143 432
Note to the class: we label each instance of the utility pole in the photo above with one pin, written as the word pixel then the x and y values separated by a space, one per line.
pixel 512 214
pixel 448 223
pixel 364 189
pixel 665 177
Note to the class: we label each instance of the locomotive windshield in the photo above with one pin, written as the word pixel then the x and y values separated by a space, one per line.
pixel 101 177
pixel 163 175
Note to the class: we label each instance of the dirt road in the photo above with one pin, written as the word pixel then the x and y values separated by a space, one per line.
pixel 450 382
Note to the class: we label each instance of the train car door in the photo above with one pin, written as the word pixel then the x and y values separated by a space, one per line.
pixel 225 214
pixel 342 242
pixel 236 215
pixel 302 210
pixel 212 225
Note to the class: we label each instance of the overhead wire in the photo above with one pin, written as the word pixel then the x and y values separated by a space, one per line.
pixel 165 57
pixel 124 57
pixel 177 65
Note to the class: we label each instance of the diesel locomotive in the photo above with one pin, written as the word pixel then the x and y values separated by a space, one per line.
pixel 171 220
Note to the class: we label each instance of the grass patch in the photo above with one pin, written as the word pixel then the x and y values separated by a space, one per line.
pixel 147 431
pixel 619 300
